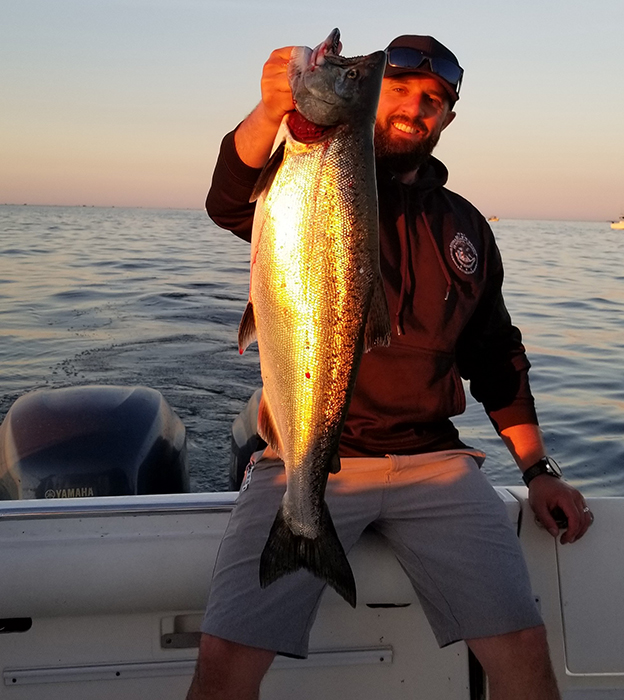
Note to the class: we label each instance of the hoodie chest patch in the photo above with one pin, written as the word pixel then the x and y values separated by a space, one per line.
pixel 463 254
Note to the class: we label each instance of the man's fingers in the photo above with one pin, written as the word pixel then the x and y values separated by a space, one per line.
pixel 574 524
pixel 283 53
pixel 554 500
pixel 583 518
pixel 546 518
pixel 276 94
pixel 277 63
pixel 586 518
pixel 574 518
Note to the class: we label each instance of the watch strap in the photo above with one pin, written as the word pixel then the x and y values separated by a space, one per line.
pixel 545 465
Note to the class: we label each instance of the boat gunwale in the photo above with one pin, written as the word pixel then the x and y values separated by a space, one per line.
pixel 114 506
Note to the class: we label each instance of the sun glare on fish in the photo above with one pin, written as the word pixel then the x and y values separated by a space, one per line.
pixel 300 270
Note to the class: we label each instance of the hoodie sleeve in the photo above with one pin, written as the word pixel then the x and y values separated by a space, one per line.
pixel 490 354
pixel 233 181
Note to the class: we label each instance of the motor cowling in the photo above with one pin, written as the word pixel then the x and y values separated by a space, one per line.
pixel 92 441
pixel 244 440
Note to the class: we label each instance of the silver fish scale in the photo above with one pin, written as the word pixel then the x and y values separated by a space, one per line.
pixel 314 262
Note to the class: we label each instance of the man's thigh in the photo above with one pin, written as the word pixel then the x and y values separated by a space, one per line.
pixel 452 535
pixel 280 616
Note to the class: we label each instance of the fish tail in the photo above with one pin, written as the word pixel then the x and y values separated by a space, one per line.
pixel 324 556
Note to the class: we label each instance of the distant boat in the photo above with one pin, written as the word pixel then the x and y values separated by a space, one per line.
pixel 493 218
pixel 618 224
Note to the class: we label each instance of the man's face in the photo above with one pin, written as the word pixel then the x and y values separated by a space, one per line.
pixel 413 110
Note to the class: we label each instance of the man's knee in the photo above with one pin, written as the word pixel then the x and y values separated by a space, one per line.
pixel 517 664
pixel 522 646
pixel 531 641
pixel 227 669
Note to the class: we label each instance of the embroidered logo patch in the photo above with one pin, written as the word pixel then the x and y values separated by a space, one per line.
pixel 463 254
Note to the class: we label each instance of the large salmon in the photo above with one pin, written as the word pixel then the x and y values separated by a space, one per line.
pixel 316 295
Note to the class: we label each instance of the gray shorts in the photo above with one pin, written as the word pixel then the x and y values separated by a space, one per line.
pixel 441 517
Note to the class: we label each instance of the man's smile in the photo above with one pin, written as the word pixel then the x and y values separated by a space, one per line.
pixel 406 127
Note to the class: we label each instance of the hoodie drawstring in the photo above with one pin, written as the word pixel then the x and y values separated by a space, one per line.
pixel 447 277
pixel 405 250
pixel 405 247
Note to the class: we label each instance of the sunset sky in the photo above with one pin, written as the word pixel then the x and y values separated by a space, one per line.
pixel 124 102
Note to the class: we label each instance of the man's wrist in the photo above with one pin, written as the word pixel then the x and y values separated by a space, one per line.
pixel 254 137
pixel 546 466
pixel 273 115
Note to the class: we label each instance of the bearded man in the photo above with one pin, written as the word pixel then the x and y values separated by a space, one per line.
pixel 443 277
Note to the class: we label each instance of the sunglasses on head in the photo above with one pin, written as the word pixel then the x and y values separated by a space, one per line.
pixel 413 58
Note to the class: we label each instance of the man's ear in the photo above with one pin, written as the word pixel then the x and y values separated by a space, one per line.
pixel 449 118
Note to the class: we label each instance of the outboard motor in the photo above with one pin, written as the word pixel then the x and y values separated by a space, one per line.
pixel 92 441
pixel 245 440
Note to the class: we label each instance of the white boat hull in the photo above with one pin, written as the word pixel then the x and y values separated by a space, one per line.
pixel 115 589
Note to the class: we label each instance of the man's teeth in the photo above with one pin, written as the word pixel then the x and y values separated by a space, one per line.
pixel 406 128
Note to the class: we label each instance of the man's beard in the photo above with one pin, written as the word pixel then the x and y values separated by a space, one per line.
pixel 402 155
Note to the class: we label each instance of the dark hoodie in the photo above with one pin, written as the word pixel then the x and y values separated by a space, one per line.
pixel 443 277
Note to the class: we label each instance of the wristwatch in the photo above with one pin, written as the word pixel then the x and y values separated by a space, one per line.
pixel 546 465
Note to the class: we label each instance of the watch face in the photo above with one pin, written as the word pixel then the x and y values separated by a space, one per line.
pixel 553 466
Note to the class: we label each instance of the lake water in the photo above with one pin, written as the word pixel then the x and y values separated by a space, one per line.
pixel 154 297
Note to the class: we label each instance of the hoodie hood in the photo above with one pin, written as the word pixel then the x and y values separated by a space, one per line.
pixel 431 174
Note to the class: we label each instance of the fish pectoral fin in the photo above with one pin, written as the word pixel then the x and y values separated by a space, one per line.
pixel 266 177
pixel 324 556
pixel 266 426
pixel 378 330
pixel 247 329
pixel 334 465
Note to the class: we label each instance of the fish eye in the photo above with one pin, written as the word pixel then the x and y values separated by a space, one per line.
pixel 352 74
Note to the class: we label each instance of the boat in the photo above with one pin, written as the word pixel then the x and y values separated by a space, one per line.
pixel 618 224
pixel 102 596
pixel 493 218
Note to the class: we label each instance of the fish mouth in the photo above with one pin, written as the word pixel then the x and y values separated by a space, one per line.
pixel 320 81
pixel 331 46
pixel 305 60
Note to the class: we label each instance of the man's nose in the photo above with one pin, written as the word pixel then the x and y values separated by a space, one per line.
pixel 414 106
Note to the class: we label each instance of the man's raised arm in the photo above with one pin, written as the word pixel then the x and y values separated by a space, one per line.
pixel 254 137
pixel 247 150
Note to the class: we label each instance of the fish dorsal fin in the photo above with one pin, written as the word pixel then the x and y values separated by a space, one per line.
pixel 334 465
pixel 378 330
pixel 247 329
pixel 266 177
pixel 266 426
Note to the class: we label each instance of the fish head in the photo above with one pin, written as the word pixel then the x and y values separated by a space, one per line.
pixel 329 89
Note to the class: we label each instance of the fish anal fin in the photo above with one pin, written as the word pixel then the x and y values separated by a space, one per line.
pixel 266 426
pixel 266 177
pixel 334 465
pixel 323 556
pixel 246 329
pixel 378 330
